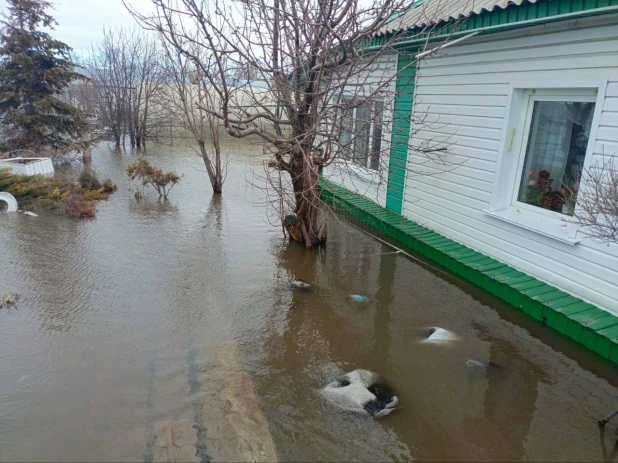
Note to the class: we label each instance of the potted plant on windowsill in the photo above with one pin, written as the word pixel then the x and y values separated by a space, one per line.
pixel 553 200
pixel 540 193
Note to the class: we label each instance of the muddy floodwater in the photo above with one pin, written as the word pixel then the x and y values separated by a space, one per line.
pixel 171 331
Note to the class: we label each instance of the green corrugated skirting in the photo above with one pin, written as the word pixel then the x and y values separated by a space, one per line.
pixel 583 322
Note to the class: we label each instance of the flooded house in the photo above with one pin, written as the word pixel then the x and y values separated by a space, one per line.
pixel 518 100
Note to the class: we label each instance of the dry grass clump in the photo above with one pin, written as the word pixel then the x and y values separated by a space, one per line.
pixel 77 205
pixel 27 189
pixel 96 195
pixel 75 199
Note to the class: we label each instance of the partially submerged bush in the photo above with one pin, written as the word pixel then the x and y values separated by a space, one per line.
pixel 88 180
pixel 28 189
pixel 96 195
pixel 109 186
pixel 76 205
pixel 161 181
pixel 74 199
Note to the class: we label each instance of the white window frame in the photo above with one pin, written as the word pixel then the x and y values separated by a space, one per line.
pixel 512 151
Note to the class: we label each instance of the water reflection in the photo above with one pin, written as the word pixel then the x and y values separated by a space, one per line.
pixel 152 208
pixel 306 356
pixel 384 297
pixel 610 455
pixel 509 400
pixel 449 411
pixel 215 213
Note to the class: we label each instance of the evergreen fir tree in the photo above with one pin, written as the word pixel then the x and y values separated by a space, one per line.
pixel 34 71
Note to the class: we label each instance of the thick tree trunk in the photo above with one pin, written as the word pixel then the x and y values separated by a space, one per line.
pixel 217 187
pixel 218 172
pixel 214 174
pixel 117 136
pixel 308 227
pixel 132 134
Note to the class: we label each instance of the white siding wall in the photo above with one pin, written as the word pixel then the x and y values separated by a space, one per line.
pixel 364 181
pixel 464 90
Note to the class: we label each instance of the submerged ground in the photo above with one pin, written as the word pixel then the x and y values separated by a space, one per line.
pixel 156 320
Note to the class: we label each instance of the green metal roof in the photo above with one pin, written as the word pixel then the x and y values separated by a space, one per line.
pixel 430 12
pixel 476 14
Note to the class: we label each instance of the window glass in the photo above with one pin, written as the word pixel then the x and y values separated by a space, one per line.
pixel 361 138
pixel 555 154
pixel 376 142
pixel 347 129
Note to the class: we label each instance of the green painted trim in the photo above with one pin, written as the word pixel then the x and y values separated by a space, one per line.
pixel 510 17
pixel 402 117
pixel 588 325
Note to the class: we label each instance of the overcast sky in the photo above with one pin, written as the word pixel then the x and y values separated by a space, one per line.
pixel 81 21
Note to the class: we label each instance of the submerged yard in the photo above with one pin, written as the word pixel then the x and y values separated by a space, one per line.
pixel 181 315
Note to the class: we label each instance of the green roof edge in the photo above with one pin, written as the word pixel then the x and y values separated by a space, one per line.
pixel 588 325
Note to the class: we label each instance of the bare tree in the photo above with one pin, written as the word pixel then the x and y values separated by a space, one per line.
pixel 595 204
pixel 326 87
pixel 190 102
pixel 126 78
pixel 245 72
pixel 147 81
pixel 105 67
pixel 83 96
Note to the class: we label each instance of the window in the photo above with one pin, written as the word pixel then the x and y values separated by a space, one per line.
pixel 361 132
pixel 376 143
pixel 555 153
pixel 361 136
pixel 546 151
pixel 347 129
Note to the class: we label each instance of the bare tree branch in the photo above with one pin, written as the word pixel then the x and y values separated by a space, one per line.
pixel 595 203
pixel 314 96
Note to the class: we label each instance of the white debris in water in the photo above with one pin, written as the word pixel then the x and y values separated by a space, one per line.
pixel 439 335
pixel 300 284
pixel 353 392
pixel 31 214
pixel 10 201
pixel 475 363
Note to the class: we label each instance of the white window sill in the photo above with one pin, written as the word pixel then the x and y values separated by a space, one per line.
pixel 542 224
pixel 364 174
